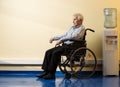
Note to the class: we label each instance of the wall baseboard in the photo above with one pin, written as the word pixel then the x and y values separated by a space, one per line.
pixel 29 62
pixel 21 62
pixel 32 62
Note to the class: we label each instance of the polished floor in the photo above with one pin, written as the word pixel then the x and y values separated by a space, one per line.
pixel 29 79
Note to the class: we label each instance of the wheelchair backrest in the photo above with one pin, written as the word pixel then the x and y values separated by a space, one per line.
pixel 83 33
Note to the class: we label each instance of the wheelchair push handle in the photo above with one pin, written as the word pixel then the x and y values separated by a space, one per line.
pixel 90 30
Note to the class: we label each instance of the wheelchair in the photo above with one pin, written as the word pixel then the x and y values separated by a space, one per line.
pixel 78 61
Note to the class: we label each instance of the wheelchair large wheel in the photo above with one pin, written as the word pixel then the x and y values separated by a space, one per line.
pixel 83 63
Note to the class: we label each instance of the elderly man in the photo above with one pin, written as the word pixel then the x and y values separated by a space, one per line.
pixel 53 55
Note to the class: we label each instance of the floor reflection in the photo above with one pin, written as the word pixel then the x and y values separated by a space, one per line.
pixel 90 82
pixel 46 83
pixel 111 82
pixel 23 80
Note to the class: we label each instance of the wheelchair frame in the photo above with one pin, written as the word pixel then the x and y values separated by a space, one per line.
pixel 77 61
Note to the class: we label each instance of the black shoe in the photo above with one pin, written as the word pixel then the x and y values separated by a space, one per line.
pixel 43 74
pixel 49 76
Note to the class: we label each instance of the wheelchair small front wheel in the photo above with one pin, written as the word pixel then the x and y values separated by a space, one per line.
pixel 83 62
pixel 64 65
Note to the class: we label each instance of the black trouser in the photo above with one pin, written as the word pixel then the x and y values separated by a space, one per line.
pixel 52 58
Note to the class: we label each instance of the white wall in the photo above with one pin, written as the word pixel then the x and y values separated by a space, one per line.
pixel 27 25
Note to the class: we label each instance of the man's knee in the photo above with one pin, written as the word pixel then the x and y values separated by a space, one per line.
pixel 48 51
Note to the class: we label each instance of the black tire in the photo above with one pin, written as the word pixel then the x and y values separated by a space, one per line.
pixel 83 63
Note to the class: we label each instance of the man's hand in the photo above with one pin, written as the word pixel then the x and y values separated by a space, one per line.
pixel 51 40
pixel 58 42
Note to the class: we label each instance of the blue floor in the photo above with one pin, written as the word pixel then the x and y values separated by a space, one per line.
pixel 29 79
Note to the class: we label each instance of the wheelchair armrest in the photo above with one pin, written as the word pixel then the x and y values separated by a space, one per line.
pixel 78 40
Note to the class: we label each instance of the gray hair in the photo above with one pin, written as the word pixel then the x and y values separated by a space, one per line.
pixel 78 16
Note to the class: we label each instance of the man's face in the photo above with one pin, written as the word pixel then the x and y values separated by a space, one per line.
pixel 76 22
